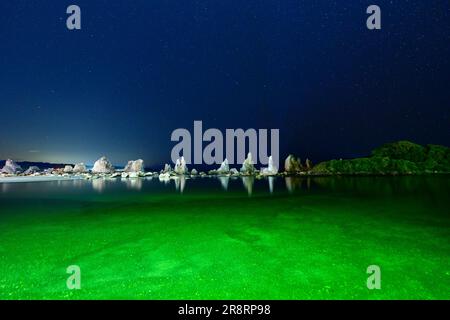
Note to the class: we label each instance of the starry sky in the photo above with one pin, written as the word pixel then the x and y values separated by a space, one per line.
pixel 139 69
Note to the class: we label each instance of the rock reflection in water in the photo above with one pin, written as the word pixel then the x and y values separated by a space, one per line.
pixel 293 183
pixel 5 187
pixel 133 183
pixel 180 183
pixel 271 184
pixel 99 184
pixel 224 181
pixel 248 184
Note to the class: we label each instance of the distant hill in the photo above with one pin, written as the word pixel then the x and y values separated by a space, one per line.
pixel 41 165
pixel 402 157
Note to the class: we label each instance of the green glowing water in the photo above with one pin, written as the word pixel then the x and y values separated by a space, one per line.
pixel 146 240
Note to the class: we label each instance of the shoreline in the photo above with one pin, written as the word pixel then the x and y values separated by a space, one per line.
pixel 88 176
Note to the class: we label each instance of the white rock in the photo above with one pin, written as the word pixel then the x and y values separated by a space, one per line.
pixel 134 175
pixel 180 166
pixel 32 170
pixel 234 172
pixel 247 166
pixel 125 175
pixel 11 167
pixel 68 169
pixel 292 164
pixel 224 168
pixel 103 165
pixel 134 166
pixel 271 170
pixel 194 172
pixel 167 168
pixel 164 176
pixel 79 168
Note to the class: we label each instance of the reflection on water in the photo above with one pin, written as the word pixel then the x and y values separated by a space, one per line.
pixel 248 184
pixel 99 184
pixel 180 183
pixel 224 181
pixel 5 187
pixel 291 183
pixel 296 183
pixel 271 183
pixel 133 183
pixel 373 186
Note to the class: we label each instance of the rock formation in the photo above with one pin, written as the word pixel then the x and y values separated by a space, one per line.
pixel 102 165
pixel 134 166
pixel 292 164
pixel 180 166
pixel 224 168
pixel 167 168
pixel 308 164
pixel 11 167
pixel 68 169
pixel 271 170
pixel 32 170
pixel 247 166
pixel 164 176
pixel 194 172
pixel 79 168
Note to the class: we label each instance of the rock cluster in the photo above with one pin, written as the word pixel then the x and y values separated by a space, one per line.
pixel 247 167
pixel 271 170
pixel 80 168
pixel 224 168
pixel 102 165
pixel 11 167
pixel 134 166
pixel 180 166
pixel 32 170
pixel 292 164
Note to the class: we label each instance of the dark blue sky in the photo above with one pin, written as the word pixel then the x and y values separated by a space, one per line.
pixel 140 69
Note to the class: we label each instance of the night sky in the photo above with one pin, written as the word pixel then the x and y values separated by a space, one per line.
pixel 139 69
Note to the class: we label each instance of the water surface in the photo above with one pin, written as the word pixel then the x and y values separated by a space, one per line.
pixel 226 238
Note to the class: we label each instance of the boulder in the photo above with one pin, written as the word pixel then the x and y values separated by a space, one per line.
pixel 11 167
pixel 32 170
pixel 292 164
pixel 164 176
pixel 103 165
pixel 308 164
pixel 180 166
pixel 68 169
pixel 194 172
pixel 224 168
pixel 247 166
pixel 271 170
pixel 134 166
pixel 234 172
pixel 167 168
pixel 80 168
